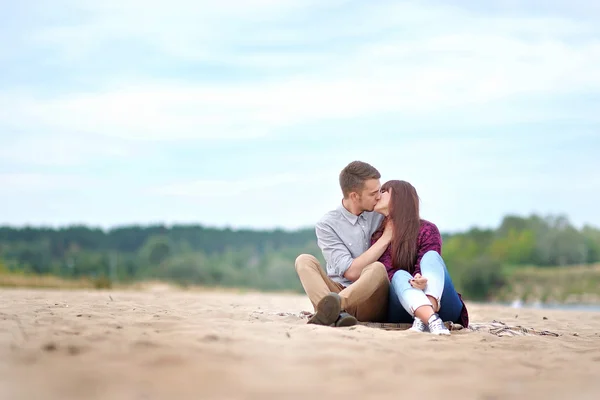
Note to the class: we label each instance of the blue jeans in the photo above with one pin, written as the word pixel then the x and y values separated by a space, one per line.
pixel 404 299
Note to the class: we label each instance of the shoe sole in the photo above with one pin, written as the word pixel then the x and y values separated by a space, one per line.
pixel 328 310
pixel 346 320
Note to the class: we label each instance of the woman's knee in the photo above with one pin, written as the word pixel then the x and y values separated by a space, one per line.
pixel 401 281
pixel 432 262
pixel 432 256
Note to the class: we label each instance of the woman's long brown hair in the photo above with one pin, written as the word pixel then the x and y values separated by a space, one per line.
pixel 404 213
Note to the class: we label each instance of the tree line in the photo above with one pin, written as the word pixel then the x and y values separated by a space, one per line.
pixel 478 259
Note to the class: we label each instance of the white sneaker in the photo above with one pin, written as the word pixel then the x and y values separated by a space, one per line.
pixel 419 326
pixel 436 326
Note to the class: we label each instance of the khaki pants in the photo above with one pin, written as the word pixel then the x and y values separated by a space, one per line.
pixel 366 299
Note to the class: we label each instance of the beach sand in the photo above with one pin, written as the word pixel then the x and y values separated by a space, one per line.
pixel 169 344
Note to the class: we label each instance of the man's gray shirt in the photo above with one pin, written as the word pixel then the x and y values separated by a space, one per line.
pixel 343 236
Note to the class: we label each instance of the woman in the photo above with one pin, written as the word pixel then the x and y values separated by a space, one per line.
pixel 421 290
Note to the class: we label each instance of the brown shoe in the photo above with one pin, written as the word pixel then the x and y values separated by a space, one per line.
pixel 328 310
pixel 345 319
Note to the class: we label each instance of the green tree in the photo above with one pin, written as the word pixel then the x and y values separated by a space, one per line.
pixel 156 250
pixel 592 244
pixel 518 247
pixel 3 268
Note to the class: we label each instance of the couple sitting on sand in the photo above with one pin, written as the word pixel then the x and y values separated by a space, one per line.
pixel 384 262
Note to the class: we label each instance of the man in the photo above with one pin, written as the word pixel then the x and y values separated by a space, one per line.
pixel 356 285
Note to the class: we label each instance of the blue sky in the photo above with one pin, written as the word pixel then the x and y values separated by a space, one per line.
pixel 243 113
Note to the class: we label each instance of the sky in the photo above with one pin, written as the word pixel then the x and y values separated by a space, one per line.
pixel 241 113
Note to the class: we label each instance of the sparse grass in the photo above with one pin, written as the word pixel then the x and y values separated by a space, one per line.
pixel 29 281
pixel 570 284
pixel 43 282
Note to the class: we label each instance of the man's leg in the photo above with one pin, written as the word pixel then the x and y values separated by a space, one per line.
pixel 322 292
pixel 315 282
pixel 367 298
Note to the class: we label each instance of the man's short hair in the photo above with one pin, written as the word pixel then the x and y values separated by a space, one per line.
pixel 354 176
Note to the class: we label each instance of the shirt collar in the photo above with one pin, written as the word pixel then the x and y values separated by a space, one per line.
pixel 353 219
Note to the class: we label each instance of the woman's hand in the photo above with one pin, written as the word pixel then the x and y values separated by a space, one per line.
pixel 418 282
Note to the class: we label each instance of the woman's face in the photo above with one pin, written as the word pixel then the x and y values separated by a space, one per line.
pixel 383 205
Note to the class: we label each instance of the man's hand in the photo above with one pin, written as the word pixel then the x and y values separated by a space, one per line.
pixel 418 282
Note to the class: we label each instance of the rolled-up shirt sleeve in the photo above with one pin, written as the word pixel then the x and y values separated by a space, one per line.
pixel 334 250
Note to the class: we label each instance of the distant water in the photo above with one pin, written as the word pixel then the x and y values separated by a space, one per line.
pixel 542 306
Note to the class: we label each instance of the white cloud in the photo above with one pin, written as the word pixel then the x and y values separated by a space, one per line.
pixel 192 30
pixel 12 184
pixel 468 60
pixel 62 150
pixel 470 75
pixel 219 188
pixel 287 65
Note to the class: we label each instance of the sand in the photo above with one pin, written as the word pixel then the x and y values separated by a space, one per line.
pixel 168 344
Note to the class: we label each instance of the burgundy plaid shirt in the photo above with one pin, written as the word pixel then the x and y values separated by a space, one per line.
pixel 429 239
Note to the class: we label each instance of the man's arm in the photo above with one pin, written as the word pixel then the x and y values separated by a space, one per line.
pixel 370 256
pixel 334 250
pixel 338 256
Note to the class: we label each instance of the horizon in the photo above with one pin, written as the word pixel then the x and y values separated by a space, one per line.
pixel 267 229
pixel 241 114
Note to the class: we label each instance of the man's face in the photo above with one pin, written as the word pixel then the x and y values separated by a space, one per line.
pixel 370 194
